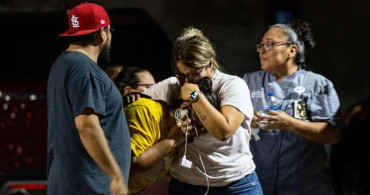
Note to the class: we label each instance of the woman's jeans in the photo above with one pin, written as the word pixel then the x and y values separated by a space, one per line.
pixel 247 186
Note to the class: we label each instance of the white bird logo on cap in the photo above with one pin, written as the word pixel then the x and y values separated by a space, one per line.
pixel 75 23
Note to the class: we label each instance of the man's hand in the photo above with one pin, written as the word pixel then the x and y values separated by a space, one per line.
pixel 118 187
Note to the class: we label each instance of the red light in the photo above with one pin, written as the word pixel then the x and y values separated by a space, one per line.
pixel 28 186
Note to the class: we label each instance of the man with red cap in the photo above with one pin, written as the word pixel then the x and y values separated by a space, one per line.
pixel 88 139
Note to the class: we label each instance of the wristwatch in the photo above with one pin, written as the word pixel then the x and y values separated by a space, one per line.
pixel 194 96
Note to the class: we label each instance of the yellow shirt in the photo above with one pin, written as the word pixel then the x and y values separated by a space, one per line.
pixel 147 124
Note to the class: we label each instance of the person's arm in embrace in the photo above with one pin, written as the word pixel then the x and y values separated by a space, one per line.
pixel 160 149
pixel 221 124
pixel 153 132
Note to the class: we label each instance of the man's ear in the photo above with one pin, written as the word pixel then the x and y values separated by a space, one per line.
pixel 100 36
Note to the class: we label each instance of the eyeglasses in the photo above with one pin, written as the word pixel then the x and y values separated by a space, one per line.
pixel 111 30
pixel 194 77
pixel 268 46
pixel 145 85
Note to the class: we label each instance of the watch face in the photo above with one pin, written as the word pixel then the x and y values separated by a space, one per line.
pixel 194 96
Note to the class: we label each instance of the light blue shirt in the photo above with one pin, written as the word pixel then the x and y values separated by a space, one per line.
pixel 287 163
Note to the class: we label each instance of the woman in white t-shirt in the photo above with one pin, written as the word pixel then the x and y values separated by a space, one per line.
pixel 219 160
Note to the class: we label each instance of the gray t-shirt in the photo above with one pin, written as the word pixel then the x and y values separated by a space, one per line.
pixel 75 83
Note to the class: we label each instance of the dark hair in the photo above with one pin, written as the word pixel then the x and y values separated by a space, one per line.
pixel 205 86
pixel 128 77
pixel 113 71
pixel 299 32
pixel 84 40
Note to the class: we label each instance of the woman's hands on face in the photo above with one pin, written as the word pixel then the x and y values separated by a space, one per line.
pixel 186 89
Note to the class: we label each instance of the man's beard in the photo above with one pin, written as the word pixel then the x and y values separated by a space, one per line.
pixel 104 56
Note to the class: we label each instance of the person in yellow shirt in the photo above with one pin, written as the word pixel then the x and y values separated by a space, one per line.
pixel 155 135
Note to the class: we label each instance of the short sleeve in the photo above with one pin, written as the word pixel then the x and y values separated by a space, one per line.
pixel 166 90
pixel 324 105
pixel 144 128
pixel 86 90
pixel 236 93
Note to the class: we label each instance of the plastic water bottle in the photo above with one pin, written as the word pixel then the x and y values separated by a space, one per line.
pixel 271 102
pixel 272 105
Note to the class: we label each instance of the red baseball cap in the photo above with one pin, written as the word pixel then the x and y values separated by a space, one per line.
pixel 86 18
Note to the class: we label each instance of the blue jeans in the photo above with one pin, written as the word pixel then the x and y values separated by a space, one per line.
pixel 249 185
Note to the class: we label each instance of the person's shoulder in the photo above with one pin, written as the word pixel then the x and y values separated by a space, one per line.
pixel 78 61
pixel 316 77
pixel 162 88
pixel 254 77
pixel 168 81
pixel 255 74
pixel 76 56
pixel 144 107
pixel 146 102
pixel 228 80
pixel 225 76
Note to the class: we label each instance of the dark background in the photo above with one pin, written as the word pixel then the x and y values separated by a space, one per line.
pixel 145 31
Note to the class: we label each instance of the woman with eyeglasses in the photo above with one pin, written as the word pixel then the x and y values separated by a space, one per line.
pixel 131 81
pixel 153 131
pixel 292 160
pixel 219 161
pixel 155 134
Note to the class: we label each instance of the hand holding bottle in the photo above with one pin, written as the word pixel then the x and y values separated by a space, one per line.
pixel 263 120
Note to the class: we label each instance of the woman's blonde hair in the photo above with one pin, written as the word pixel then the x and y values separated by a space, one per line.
pixel 194 50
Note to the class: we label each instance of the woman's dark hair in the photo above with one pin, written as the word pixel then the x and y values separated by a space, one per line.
pixel 128 77
pixel 299 32
pixel 205 86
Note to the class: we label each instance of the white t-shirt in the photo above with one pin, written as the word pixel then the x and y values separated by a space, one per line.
pixel 224 161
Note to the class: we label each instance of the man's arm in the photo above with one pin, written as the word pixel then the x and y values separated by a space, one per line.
pixel 95 143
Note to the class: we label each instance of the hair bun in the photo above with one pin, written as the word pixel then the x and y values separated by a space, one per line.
pixel 191 32
pixel 303 30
